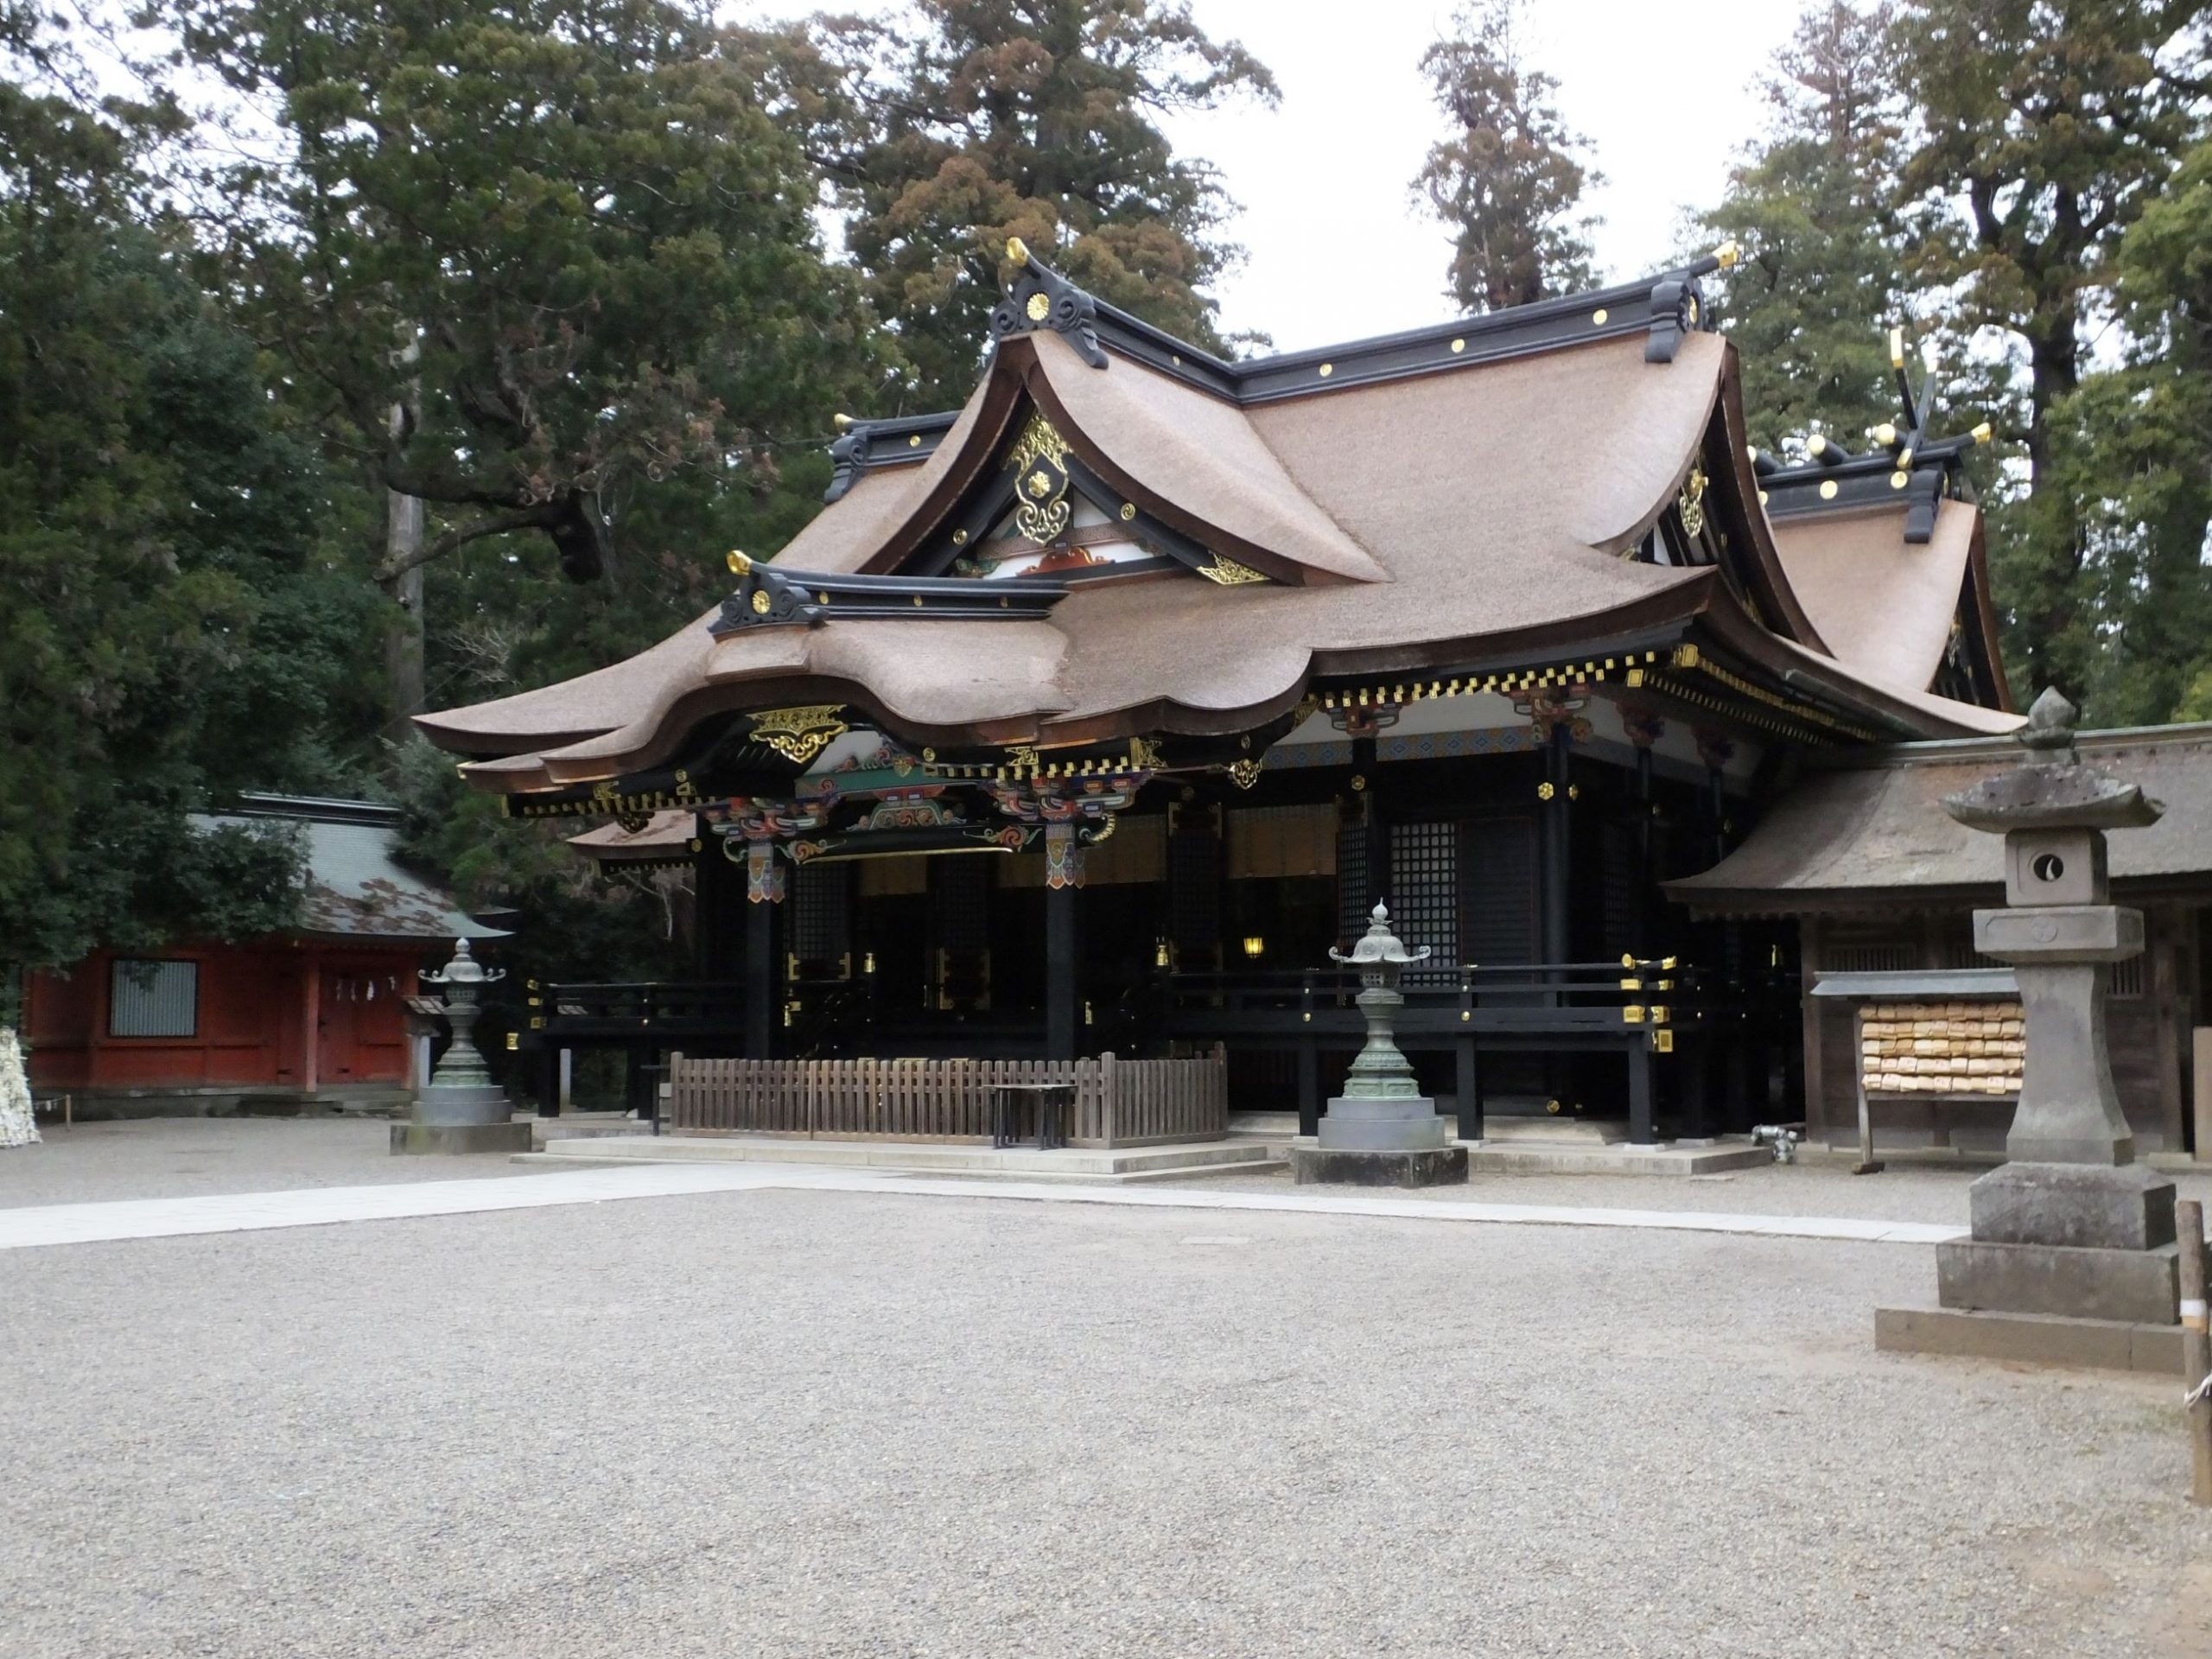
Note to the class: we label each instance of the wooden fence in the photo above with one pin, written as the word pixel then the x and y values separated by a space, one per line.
pixel 1118 1102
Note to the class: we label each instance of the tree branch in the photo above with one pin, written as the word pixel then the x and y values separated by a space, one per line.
pixel 540 517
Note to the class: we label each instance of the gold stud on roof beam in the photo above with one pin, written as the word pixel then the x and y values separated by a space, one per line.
pixel 1982 432
pixel 1885 433
pixel 1727 255
pixel 1896 348
pixel 841 421
pixel 739 564
pixel 1017 250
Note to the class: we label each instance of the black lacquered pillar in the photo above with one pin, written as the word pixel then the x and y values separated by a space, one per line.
pixel 1062 950
pixel 763 894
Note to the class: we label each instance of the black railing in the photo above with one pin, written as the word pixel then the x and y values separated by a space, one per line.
pixel 654 1008
pixel 1674 1025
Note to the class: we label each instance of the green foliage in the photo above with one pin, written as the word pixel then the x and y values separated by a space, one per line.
pixel 2043 130
pixel 149 560
pixel 571 923
pixel 1510 175
pixel 566 239
pixel 971 121
pixel 1820 270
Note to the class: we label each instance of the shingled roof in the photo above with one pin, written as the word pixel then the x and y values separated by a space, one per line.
pixel 355 889
pixel 1869 826
pixel 1486 490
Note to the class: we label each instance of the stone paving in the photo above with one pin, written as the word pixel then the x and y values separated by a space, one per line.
pixel 823 1421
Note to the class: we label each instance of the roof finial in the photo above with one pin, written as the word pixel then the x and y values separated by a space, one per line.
pixel 1017 250
pixel 1728 254
pixel 2051 723
pixel 739 564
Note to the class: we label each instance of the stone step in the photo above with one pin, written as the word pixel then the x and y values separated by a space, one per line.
pixel 1551 1131
pixel 1015 1163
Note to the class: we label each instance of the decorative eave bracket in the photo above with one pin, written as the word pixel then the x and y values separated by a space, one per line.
pixel 1904 460
pixel 766 597
pixel 1042 298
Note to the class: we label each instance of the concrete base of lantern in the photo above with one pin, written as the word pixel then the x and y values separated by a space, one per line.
pixel 2029 1339
pixel 454 1138
pixel 1353 1167
pixel 2140 1287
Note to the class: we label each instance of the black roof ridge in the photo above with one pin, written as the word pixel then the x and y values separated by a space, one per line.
pixel 1663 307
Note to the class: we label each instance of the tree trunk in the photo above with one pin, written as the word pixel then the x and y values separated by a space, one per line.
pixel 402 640
pixel 404 693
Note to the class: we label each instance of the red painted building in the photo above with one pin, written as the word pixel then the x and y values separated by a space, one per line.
pixel 317 1016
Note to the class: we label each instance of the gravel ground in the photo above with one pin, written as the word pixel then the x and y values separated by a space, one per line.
pixel 177 1157
pixel 814 1424
pixel 1898 1193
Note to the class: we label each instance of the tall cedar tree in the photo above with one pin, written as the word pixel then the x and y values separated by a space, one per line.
pixel 1820 276
pixel 1509 179
pixel 2141 437
pixel 977 120
pixel 525 259
pixel 165 637
pixel 2044 127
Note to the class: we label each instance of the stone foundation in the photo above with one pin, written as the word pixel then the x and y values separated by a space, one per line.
pixel 1350 1167
pixel 2140 1287
pixel 452 1139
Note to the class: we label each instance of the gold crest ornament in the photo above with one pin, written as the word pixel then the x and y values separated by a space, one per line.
pixel 1039 458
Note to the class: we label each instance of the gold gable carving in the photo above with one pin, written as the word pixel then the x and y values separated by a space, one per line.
pixel 799 735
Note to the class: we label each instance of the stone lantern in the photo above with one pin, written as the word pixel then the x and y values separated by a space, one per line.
pixel 460 1108
pixel 1381 1131
pixel 2071 1225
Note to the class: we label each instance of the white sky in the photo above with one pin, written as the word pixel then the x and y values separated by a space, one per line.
pixel 1337 249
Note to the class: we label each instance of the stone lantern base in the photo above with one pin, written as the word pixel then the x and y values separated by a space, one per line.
pixel 2068 1264
pixel 452 1139
pixel 453 1119
pixel 1351 1167
pixel 1400 1141
pixel 2081 1241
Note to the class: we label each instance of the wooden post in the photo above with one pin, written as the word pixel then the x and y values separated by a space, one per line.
pixel 1470 1091
pixel 2196 1346
pixel 311 1060
pixel 1559 845
pixel 1868 1164
pixel 1811 943
pixel 1063 974
pixel 761 1008
pixel 1642 1130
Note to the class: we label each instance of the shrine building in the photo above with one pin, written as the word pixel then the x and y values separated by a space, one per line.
pixel 1088 717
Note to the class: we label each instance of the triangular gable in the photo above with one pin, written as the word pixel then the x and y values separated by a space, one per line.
pixel 1041 509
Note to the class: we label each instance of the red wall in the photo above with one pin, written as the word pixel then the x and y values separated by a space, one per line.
pixel 253 1021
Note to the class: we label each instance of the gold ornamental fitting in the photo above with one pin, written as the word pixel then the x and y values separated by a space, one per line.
pixel 739 564
pixel 841 421
pixel 1896 348
pixel 1727 255
pixel 1982 432
pixel 1885 435
pixel 1017 250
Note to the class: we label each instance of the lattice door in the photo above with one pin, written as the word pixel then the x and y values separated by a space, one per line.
pixel 1424 895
